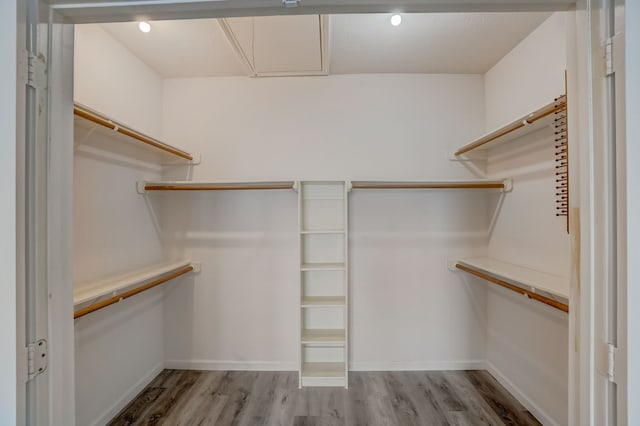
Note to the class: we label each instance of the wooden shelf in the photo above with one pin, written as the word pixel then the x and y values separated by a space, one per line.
pixel 323 301
pixel 322 267
pixel 323 369
pixel 88 116
pixel 466 184
pixel 541 117
pixel 543 287
pixel 323 336
pixel 211 186
pixel 328 374
pixel 322 231
pixel 127 285
pixel 89 291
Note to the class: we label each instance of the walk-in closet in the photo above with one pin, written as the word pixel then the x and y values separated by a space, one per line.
pixel 341 219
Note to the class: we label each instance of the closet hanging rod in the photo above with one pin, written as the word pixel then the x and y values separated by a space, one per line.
pixel 555 106
pixel 97 118
pixel 540 298
pixel 115 299
pixel 501 184
pixel 211 186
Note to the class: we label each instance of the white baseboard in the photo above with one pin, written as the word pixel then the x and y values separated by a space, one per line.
pixel 206 364
pixel 533 408
pixel 471 364
pixel 128 396
pixel 201 364
pixel 214 365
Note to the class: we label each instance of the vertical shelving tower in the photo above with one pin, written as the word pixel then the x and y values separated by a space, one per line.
pixel 322 224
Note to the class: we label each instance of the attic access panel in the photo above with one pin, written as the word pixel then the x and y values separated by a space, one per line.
pixel 280 45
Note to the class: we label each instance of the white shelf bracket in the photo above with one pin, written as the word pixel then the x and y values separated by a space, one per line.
pixel 508 185
pixel 349 186
pixel 140 187
pixel 451 265
pixel 197 267
pixel 197 159
pixel 296 185
pixel 477 156
pixel 86 137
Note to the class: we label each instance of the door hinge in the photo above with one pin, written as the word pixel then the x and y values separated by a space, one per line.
pixel 36 71
pixel 611 362
pixel 608 57
pixel 37 358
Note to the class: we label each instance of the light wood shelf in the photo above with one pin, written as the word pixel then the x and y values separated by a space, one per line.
pixel 323 369
pixel 322 267
pixel 90 296
pixel 462 184
pixel 88 291
pixel 322 231
pixel 547 288
pixel 538 119
pixel 323 301
pixel 317 335
pixel 89 117
pixel 144 187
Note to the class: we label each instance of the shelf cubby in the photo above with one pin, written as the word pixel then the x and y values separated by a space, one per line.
pixel 322 301
pixel 322 224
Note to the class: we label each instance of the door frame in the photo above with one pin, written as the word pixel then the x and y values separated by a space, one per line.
pixel 582 360
pixel 9 386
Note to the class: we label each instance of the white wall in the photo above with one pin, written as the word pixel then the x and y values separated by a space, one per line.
pixel 337 127
pixel 110 79
pixel 119 348
pixel 8 366
pixel 633 207
pixel 242 310
pixel 527 343
pixel 529 76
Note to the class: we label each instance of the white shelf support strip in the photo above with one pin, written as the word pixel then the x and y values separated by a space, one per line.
pixel 121 287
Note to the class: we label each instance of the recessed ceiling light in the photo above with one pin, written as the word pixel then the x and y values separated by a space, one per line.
pixel 144 26
pixel 396 20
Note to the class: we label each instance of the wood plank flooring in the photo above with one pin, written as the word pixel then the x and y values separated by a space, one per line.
pixel 251 398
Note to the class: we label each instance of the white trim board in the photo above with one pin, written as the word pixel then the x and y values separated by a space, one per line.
pixel 514 390
pixel 128 396
pixel 471 364
pixel 216 365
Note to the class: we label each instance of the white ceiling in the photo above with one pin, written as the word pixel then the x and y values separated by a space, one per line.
pixel 459 43
pixel 190 48
pixel 424 43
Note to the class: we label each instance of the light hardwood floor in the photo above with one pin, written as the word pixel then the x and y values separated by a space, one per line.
pixel 252 398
